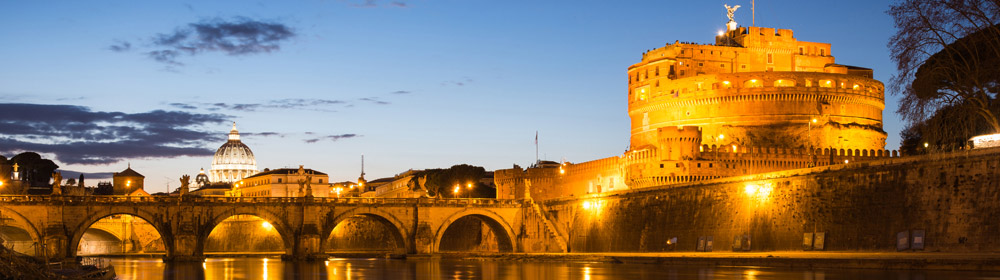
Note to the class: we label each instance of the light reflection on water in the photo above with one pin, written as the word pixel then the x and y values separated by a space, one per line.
pixel 350 269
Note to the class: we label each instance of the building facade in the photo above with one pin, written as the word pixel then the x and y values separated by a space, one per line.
pixel 757 100
pixel 284 182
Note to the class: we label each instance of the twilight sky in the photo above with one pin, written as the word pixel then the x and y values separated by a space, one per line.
pixel 96 85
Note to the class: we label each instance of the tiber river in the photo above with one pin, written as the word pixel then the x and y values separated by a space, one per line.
pixel 264 268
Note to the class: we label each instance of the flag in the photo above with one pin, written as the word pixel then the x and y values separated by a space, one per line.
pixel 536 137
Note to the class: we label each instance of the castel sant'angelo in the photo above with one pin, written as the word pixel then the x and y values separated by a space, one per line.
pixel 757 100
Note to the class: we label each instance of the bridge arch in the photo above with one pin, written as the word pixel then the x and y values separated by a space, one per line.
pixel 279 224
pixel 77 234
pixel 22 222
pixel 386 218
pixel 500 227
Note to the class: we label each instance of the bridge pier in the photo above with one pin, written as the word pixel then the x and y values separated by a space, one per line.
pixel 55 246
pixel 185 248
pixel 308 244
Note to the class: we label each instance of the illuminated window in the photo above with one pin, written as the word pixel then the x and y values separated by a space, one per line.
pixel 753 83
pixel 784 83
pixel 857 87
pixel 809 83
pixel 826 83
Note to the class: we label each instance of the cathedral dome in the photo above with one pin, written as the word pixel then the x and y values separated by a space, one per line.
pixel 233 161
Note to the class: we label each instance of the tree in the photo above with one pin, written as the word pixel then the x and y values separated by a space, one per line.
pixel 441 182
pixel 947 53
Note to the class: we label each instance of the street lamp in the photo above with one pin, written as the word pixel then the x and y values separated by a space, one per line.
pixel 455 191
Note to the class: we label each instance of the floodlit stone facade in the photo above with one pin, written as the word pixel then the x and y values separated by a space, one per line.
pixel 757 100
pixel 284 182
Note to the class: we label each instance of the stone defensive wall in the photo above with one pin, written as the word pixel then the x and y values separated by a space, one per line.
pixel 753 105
pixel 945 202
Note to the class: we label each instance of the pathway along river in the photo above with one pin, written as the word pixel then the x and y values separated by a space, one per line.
pixel 265 268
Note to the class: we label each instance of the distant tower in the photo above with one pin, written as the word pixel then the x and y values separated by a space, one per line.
pixel 233 161
pixel 361 179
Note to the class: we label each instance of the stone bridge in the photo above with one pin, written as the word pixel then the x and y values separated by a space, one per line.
pixel 58 223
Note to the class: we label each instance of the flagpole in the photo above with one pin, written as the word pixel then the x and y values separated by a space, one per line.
pixel 536 147
pixel 753 12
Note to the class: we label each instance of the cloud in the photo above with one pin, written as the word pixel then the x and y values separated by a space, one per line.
pixel 322 105
pixel 183 106
pixel 376 3
pixel 77 135
pixel 264 134
pixel 333 138
pixel 70 174
pixel 374 100
pixel 402 92
pixel 120 46
pixel 237 37
pixel 461 82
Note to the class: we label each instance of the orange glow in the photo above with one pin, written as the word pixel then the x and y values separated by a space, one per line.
pixel 759 193
pixel 266 225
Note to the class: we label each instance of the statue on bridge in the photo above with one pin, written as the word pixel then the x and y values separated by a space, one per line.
pixel 185 185
pixel 305 187
pixel 56 183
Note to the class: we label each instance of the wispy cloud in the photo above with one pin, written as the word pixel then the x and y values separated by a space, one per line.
pixel 333 138
pixel 374 100
pixel 402 92
pixel 377 3
pixel 237 37
pixel 77 135
pixel 460 82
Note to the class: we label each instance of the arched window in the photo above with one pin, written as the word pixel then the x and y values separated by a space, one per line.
pixel 826 83
pixel 784 83
pixel 753 83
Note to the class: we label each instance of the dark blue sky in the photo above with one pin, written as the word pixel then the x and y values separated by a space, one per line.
pixel 410 84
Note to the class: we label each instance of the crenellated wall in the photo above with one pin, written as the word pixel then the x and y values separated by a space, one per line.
pixel 953 198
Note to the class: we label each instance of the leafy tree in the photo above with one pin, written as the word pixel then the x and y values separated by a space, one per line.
pixel 33 169
pixel 442 182
pixel 947 53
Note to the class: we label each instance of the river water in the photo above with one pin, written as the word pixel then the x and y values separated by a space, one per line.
pixel 265 268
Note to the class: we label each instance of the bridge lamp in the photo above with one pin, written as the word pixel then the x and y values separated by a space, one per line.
pixel 128 183
pixel 846 161
pixel 456 189
pixel 925 146
pixel 469 185
pixel 266 225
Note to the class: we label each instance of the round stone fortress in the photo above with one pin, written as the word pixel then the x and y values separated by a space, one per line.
pixel 755 87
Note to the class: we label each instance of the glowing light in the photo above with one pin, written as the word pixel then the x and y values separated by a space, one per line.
pixel 586 273
pixel 846 161
pixel 720 33
pixel 266 225
pixel 586 205
pixel 814 120
pixel 759 193
pixel 561 171
pixel 925 144
pixel 469 185
pixel 734 148
pixel 856 87
pixel 725 83
pixel 128 183
pixel 753 81
pixel 456 189
pixel 1 183
pixel 722 136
